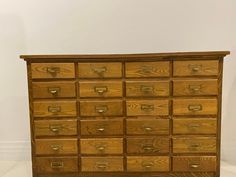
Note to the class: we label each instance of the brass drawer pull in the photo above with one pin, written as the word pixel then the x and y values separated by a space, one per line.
pixel 101 148
pixel 146 69
pixel 195 88
pixel 146 89
pixel 100 71
pixel 148 148
pixel 147 165
pixel 147 107
pixel 101 90
pixel 195 108
pixel 54 90
pixel 101 166
pixel 194 166
pixel 193 126
pixel 55 128
pixel 53 70
pixel 101 130
pixel 56 147
pixel 56 165
pixel 195 68
pixel 54 109
pixel 194 145
pixel 101 109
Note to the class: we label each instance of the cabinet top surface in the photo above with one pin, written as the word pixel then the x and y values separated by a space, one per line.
pixel 188 55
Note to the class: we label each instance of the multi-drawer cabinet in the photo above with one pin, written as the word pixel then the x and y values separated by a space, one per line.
pixel 135 115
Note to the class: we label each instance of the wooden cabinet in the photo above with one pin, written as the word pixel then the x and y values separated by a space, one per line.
pixel 133 115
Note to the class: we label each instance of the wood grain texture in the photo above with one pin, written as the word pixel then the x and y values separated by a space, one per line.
pixel 56 164
pixel 194 145
pixel 54 89
pixel 152 163
pixel 196 68
pixel 56 146
pixel 101 108
pixel 102 164
pixel 101 146
pixel 53 70
pixel 195 87
pixel 147 126
pixel 55 127
pixel 101 89
pixel 102 127
pixel 195 126
pixel 147 88
pixel 147 69
pixel 147 107
pixel 100 70
pixel 55 108
pixel 148 145
pixel 194 163
pixel 196 106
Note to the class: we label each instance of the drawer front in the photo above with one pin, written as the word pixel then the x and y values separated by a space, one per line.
pixel 194 145
pixel 101 146
pixel 56 146
pixel 56 164
pixel 147 69
pixel 55 127
pixel 101 164
pixel 147 88
pixel 54 89
pixel 195 87
pixel 148 163
pixel 195 106
pixel 194 163
pixel 196 68
pixel 101 108
pixel 147 107
pixel 101 89
pixel 52 70
pixel 54 108
pixel 102 127
pixel 194 126
pixel 148 145
pixel 147 127
pixel 100 70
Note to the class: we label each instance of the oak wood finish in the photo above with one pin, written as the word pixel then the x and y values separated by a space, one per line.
pixel 132 115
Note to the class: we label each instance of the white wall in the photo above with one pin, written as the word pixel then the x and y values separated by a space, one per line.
pixel 108 26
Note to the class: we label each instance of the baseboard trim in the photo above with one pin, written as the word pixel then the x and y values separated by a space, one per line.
pixel 15 150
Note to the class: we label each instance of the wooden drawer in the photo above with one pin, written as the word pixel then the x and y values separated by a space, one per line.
pixel 194 145
pixel 147 107
pixel 54 108
pixel 148 163
pixel 100 70
pixel 52 70
pixel 102 164
pixel 56 164
pixel 194 163
pixel 196 68
pixel 194 126
pixel 148 145
pixel 101 146
pixel 147 88
pixel 147 126
pixel 101 108
pixel 147 69
pixel 101 89
pixel 55 127
pixel 54 89
pixel 56 146
pixel 195 87
pixel 102 127
pixel 195 106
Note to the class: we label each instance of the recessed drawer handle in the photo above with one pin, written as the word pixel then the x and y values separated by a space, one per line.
pixel 146 89
pixel 54 90
pixel 147 165
pixel 55 128
pixel 101 109
pixel 147 107
pixel 56 165
pixel 195 108
pixel 56 147
pixel 195 166
pixel 100 71
pixel 195 68
pixel 54 109
pixel 53 70
pixel 101 90
pixel 195 88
